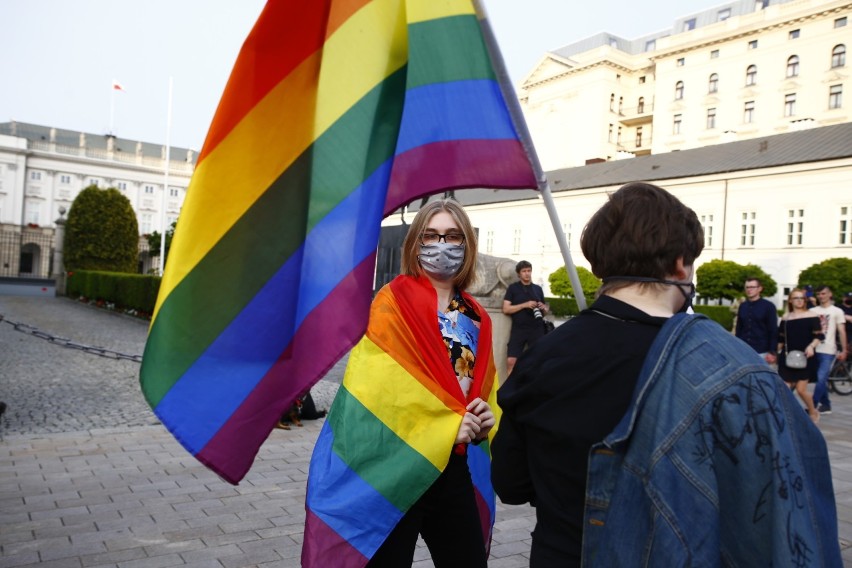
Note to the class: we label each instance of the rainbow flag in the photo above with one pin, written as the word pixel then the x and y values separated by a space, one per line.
pixel 337 113
pixel 391 429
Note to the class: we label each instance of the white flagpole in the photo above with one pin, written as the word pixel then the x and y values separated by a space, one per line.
pixel 165 184
pixel 112 107
pixel 524 134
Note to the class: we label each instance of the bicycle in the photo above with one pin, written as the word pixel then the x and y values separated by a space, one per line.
pixel 840 377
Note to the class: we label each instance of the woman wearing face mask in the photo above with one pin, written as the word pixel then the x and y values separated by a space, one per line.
pixel 402 452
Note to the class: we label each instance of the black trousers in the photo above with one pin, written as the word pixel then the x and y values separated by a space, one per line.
pixel 447 518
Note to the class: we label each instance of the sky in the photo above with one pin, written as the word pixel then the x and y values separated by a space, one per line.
pixel 60 57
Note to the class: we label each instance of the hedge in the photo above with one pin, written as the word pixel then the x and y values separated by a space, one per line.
pixel 136 292
pixel 567 307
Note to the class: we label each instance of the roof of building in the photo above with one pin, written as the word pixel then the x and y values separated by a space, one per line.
pixel 71 138
pixel 805 146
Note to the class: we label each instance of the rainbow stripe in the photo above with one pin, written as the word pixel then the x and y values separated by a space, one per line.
pixel 337 113
pixel 391 429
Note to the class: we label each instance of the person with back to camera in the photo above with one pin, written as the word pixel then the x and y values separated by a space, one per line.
pixel 401 452
pixel 524 301
pixel 645 436
pixel 800 330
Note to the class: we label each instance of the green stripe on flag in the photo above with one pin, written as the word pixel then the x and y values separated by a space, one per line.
pixel 445 50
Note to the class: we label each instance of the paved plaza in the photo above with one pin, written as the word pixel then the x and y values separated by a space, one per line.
pixel 88 476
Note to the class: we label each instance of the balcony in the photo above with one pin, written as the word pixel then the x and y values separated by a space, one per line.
pixel 637 115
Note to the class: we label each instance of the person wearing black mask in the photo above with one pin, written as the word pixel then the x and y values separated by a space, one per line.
pixel 645 436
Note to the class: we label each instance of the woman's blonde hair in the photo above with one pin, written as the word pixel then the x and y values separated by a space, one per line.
pixel 790 302
pixel 410 265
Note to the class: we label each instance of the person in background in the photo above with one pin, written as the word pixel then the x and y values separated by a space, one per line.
pixel 524 301
pixel 846 306
pixel 832 347
pixel 800 330
pixel 400 453
pixel 645 436
pixel 757 321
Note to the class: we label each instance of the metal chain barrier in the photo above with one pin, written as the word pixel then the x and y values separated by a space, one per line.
pixel 63 342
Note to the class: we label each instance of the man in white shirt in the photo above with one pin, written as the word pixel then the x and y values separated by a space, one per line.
pixel 834 327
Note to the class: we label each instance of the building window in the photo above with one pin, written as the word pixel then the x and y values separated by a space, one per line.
pixel 835 96
pixel 122 185
pixel 679 90
pixel 642 80
pixel 790 104
pixel 711 118
pixel 149 189
pixel 173 191
pixel 840 22
pixel 751 75
pixel 689 24
pixel 640 107
pixel 747 228
pixel 612 102
pixel 638 136
pixel 566 230
pixel 65 179
pixel 618 136
pixel 35 176
pixel 680 62
pixel 793 66
pixel 760 5
pixel 620 104
pixel 516 241
pixel 33 214
pixel 748 112
pixel 609 134
pixel 752 44
pixel 714 54
pixel 838 56
pixel 489 241
pixel 707 226
pixel 651 45
pixel 845 226
pixel 713 83
pixel 676 124
pixel 723 15
pixel 795 224
pixel 145 224
pixel 95 182
pixel 793 34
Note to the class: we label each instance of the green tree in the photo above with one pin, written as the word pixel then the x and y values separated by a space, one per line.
pixel 101 232
pixel 718 279
pixel 560 285
pixel 836 273
pixel 154 240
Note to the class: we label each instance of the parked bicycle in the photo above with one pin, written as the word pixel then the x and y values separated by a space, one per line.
pixel 840 377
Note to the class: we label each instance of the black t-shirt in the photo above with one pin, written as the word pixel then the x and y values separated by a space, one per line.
pixel 516 294
pixel 566 393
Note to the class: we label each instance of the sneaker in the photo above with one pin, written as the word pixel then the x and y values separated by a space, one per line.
pixel 823 409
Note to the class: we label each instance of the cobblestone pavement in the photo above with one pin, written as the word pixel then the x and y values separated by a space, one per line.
pixel 88 476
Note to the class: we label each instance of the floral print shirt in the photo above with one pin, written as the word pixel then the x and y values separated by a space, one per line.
pixel 459 326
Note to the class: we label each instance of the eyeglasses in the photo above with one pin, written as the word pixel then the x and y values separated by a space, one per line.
pixel 797 297
pixel 751 287
pixel 435 238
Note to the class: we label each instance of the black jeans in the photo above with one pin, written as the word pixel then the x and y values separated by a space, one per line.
pixel 448 519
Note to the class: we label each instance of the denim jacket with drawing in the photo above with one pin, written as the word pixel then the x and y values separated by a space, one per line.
pixel 715 464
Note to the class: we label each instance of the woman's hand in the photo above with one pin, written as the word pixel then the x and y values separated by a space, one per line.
pixel 469 429
pixel 482 410
pixel 810 350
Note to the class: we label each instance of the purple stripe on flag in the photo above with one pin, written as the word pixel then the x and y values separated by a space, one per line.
pixel 456 164
pixel 230 451
pixel 324 547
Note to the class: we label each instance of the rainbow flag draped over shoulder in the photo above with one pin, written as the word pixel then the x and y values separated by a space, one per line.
pixel 337 113
pixel 392 427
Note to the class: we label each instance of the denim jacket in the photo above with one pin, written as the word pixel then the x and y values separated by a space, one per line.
pixel 715 464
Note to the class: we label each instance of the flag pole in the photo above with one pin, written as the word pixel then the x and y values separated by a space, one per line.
pixel 111 107
pixel 165 184
pixel 524 135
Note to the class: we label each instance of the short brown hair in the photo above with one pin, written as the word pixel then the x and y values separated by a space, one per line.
pixel 411 244
pixel 641 231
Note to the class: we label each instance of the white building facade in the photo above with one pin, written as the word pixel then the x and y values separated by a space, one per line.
pixel 740 70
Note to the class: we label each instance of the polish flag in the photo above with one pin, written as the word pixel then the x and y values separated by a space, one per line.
pixel 117 86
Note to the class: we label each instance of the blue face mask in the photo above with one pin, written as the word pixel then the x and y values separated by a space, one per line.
pixel 441 261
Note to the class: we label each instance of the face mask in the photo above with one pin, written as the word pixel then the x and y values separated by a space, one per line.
pixel 442 261
pixel 687 296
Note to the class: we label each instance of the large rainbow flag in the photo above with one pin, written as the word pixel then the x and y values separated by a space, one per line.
pixel 337 113
pixel 391 429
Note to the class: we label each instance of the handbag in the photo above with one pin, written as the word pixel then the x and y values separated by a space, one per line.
pixel 794 359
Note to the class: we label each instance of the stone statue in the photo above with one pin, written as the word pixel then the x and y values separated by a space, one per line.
pixel 493 276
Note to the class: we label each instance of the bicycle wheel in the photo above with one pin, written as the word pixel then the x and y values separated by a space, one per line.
pixel 840 378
